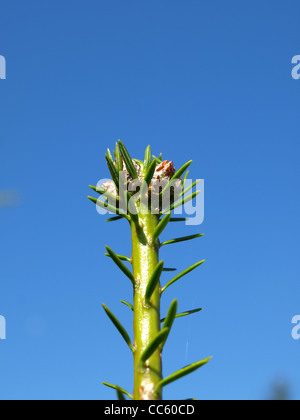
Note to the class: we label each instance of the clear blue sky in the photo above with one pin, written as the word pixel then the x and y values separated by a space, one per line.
pixel 209 81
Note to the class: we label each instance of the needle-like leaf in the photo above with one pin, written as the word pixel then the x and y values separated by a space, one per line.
pixel 193 311
pixel 168 321
pixel 153 346
pixel 121 266
pixel 179 203
pixel 148 178
pixel 158 160
pixel 148 158
pixel 120 394
pixel 121 257
pixel 183 273
pixel 184 179
pixel 128 161
pixel 153 282
pixel 109 155
pixel 119 327
pixel 160 228
pixel 179 374
pixel 121 389
pixel 105 193
pixel 114 218
pixel 108 207
pixel 113 171
pixel 140 162
pixel 179 219
pixel 150 172
pixel 169 269
pixel 127 304
pixel 119 163
pixel 184 238
pixel 190 187
pixel 176 176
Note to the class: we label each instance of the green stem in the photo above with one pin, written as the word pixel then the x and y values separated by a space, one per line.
pixel 146 323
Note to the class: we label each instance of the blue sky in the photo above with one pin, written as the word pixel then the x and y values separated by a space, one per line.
pixel 209 81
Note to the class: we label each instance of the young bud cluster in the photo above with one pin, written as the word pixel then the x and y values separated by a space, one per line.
pixel 150 196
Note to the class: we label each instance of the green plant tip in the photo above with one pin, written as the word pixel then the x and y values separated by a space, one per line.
pixel 135 204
